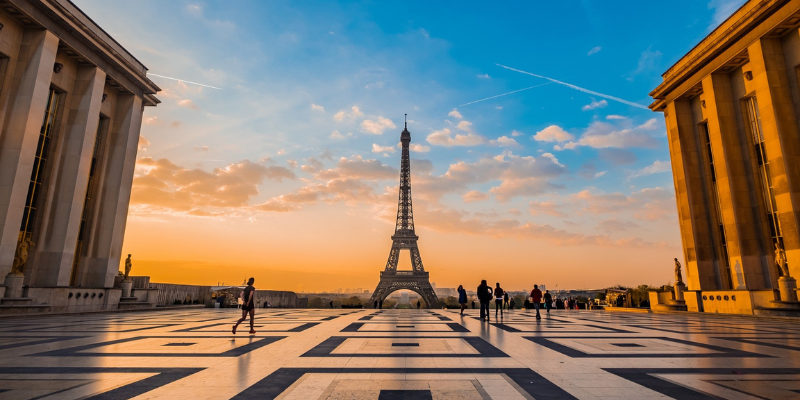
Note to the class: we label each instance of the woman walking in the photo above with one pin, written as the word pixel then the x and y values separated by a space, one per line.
pixel 498 300
pixel 462 298
pixel 248 306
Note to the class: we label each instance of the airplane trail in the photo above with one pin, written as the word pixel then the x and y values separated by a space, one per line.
pixel 183 80
pixel 578 88
pixel 489 98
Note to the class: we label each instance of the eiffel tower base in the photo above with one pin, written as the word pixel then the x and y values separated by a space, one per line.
pixel 417 282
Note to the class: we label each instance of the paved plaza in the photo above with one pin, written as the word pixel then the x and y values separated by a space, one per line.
pixel 397 354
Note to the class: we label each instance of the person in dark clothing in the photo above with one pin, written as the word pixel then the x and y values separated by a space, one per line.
pixel 548 301
pixel 380 304
pixel 498 300
pixel 462 298
pixel 331 303
pixel 505 300
pixel 418 304
pixel 511 304
pixel 473 304
pixel 536 298
pixel 484 296
pixel 375 304
pixel 248 306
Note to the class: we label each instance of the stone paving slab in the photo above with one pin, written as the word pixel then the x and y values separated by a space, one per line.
pixel 397 354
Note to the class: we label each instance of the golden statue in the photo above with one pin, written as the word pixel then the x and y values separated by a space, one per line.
pixel 780 260
pixel 128 267
pixel 678 276
pixel 21 256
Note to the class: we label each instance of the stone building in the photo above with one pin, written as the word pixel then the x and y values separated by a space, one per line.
pixel 731 107
pixel 71 104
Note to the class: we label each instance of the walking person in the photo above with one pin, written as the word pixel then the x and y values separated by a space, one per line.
pixel 417 304
pixel 484 296
pixel 498 300
pixel 536 298
pixel 505 301
pixel 548 301
pixel 248 306
pixel 511 304
pixel 462 298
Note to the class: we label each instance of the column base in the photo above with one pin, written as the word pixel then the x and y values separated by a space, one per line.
pixel 126 286
pixel 13 285
pixel 680 287
pixel 787 287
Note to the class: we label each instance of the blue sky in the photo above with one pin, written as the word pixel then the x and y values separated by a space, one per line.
pixel 306 126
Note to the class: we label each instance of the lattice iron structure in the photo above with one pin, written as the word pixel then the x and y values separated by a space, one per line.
pixel 405 238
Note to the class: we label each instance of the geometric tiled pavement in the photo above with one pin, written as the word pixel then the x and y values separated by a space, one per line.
pixel 397 354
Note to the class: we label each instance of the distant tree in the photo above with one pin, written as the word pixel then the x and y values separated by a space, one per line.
pixel 352 301
pixel 389 303
pixel 316 302
pixel 600 296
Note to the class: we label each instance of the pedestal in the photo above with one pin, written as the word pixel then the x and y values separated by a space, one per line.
pixel 679 289
pixel 13 284
pixel 126 288
pixel 787 287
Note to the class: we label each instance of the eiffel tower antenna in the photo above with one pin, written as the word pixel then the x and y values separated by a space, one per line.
pixel 405 238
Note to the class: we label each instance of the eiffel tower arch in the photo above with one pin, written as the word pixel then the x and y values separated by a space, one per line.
pixel 405 238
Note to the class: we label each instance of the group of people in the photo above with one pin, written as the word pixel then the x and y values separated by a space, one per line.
pixel 501 299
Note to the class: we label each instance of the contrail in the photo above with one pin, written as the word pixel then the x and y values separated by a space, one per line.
pixel 569 85
pixel 489 98
pixel 182 80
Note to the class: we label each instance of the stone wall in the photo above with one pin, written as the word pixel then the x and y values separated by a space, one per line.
pixel 169 292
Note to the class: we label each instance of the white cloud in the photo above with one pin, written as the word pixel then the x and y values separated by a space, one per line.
pixel 599 174
pixel 465 126
pixel 143 143
pixel 354 113
pixel 516 133
pixel 382 149
pixel 601 135
pixel 595 105
pixel 152 121
pixel 418 148
pixel 455 114
pixel 377 127
pixel 594 50
pixel 615 117
pixel 281 152
pixel 475 195
pixel 553 133
pixel 203 149
pixel 339 136
pixel 187 103
pixel 484 76
pixel 445 138
pixel 656 167
pixel 317 107
pixel 504 141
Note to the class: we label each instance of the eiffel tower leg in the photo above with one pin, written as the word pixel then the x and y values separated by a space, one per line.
pixel 416 259
pixel 394 255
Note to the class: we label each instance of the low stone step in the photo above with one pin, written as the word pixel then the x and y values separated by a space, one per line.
pixel 128 299
pixel 16 309
pixel 128 305
pixel 16 300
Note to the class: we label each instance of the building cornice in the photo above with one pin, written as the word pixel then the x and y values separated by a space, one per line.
pixel 79 32
pixel 718 43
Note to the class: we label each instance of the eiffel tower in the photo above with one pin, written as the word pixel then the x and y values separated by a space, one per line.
pixel 416 280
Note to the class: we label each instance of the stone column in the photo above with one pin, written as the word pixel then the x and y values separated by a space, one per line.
pixel 782 139
pixel 56 245
pixel 105 245
pixel 20 135
pixel 694 209
pixel 730 158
